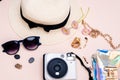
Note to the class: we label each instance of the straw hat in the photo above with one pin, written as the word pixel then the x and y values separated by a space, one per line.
pixel 43 18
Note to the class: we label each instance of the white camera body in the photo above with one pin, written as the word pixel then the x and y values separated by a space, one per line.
pixel 59 66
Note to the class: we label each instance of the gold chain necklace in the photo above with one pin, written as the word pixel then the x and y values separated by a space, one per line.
pixel 94 33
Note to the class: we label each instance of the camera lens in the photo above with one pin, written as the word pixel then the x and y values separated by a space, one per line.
pixel 57 68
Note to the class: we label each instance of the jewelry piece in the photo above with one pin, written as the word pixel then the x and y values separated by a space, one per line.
pixel 86 40
pixel 74 24
pixel 31 60
pixel 66 31
pixel 17 56
pixel 94 33
pixel 76 42
pixel 18 66
pixel 85 31
pixel 83 15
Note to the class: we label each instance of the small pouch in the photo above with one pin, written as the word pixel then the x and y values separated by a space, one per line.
pixel 106 65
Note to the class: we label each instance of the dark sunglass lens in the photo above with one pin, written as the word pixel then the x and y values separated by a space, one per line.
pixel 31 43
pixel 11 47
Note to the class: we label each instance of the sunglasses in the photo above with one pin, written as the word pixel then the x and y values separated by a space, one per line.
pixel 30 43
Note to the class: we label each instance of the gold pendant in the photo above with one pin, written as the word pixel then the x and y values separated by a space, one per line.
pixel 76 42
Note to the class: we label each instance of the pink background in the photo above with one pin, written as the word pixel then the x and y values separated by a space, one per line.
pixel 104 15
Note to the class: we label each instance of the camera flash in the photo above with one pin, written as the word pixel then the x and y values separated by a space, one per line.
pixel 57 73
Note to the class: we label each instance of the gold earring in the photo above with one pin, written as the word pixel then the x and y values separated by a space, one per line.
pixel 18 66
pixel 76 42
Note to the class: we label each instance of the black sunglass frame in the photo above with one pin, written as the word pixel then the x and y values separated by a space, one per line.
pixel 21 41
